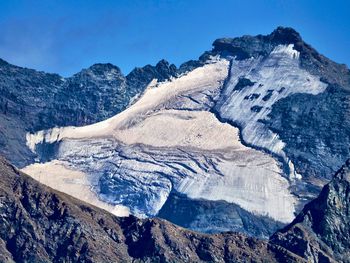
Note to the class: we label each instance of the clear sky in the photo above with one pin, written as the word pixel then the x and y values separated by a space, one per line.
pixel 67 35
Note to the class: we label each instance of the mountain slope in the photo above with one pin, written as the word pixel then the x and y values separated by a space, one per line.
pixel 300 126
pixel 42 225
pixel 32 100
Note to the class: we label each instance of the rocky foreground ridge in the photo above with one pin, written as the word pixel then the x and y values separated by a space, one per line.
pixel 39 224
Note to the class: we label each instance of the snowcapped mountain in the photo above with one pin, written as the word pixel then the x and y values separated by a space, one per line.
pixel 250 128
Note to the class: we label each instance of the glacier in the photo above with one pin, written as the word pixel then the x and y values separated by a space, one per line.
pixel 201 134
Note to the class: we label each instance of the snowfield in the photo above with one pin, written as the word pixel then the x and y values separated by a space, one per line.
pixel 169 141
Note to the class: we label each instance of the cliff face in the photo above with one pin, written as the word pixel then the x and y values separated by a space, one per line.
pixel 39 224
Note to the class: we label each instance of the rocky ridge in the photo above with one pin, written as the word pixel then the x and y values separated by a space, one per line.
pixel 31 100
pixel 321 231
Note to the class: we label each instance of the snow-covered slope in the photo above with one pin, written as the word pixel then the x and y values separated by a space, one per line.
pixel 73 182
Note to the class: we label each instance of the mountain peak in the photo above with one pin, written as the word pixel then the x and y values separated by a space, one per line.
pixel 245 47
pixel 162 71
pixel 260 45
pixel 285 35
pixel 101 68
pixel 163 62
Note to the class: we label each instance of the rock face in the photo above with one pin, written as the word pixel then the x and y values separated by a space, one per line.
pixel 31 101
pixel 311 126
pixel 301 124
pixel 322 230
pixel 259 46
pixel 39 224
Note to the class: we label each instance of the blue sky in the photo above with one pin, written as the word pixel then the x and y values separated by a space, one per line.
pixel 66 36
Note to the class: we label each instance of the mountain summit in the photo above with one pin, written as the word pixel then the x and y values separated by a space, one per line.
pixel 260 45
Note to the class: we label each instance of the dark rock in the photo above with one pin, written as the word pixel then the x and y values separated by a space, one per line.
pixel 254 46
pixel 268 95
pixel 316 130
pixel 256 108
pixel 242 83
pixel 252 96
